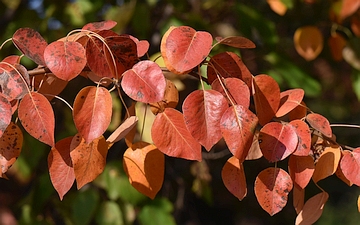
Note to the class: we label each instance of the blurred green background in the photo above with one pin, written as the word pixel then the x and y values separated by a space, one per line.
pixel 193 193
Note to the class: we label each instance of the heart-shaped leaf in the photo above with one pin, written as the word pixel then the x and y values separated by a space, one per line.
pixel 319 123
pixel 183 48
pixel 301 169
pixel 350 165
pixel 327 163
pixel 304 135
pixel 312 209
pixel 289 100
pixel 235 89
pixel 5 113
pixel 233 176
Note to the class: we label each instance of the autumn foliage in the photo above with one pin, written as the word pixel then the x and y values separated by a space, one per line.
pixel 249 112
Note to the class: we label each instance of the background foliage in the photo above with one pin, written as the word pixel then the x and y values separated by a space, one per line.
pixel 193 192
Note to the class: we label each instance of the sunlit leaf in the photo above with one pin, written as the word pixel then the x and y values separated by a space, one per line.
pixel 103 25
pixel 319 123
pixel 277 6
pixel 170 100
pixel 236 41
pixel 5 113
pixel 60 167
pixel 145 82
pixel 183 48
pixel 350 165
pixel 142 46
pixel 272 187
pixel 65 59
pixel 301 169
pixel 277 141
pixel 145 164
pixel 109 212
pixel 304 136
pixel 308 42
pixel 312 209
pixel 37 117
pixel 31 43
pixel 233 176
pixel 266 97
pixel 202 111
pixel 238 127
pixel 355 26
pixel 14 84
pixel 170 136
pixel 298 198
pixel 339 173
pixel 289 100
pixel 92 112
pixel 327 163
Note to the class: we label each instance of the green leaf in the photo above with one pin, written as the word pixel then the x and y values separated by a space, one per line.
pixel 109 214
pixel 84 206
pixel 158 212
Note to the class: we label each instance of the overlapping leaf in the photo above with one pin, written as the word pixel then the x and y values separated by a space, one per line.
pixel 235 89
pixel 272 187
pixel 51 85
pixel 145 82
pixel 124 50
pixel 170 135
pixel 145 165
pixel 97 26
pixel 298 198
pixel 304 136
pixel 237 127
pixel 183 48
pixel 236 41
pixel 202 111
pixel 299 112
pixel 312 209
pixel 170 100
pixel 14 81
pixel 301 169
pixel 255 151
pixel 319 123
pixel 37 117
pixel 327 163
pixel 233 176
pixel 65 59
pixel 5 113
pixel 350 165
pixel 12 60
pixel 92 112
pixel 124 128
pixel 61 169
pixel 289 100
pixel 266 97
pixel 277 141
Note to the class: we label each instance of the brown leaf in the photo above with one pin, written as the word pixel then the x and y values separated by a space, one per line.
pixel 233 176
pixel 124 128
pixel 298 198
pixel 312 209
pixel 308 42
pixel 319 123
pixel 236 41
pixel 327 163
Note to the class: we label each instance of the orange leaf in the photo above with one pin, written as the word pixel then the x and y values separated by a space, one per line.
pixel 236 41
pixel 255 151
pixel 66 60
pixel 327 163
pixel 358 203
pixel 350 165
pixel 37 117
pixel 145 82
pixel 170 136
pixel 236 89
pixel 348 8
pixel 5 113
pixel 88 159
pixel 170 100
pixel 10 147
pixel 266 97
pixel 277 141
pixel 233 176
pixel 272 187
pixel 319 123
pixel 289 100
pixel 103 25
pixel 183 48
pixel 301 169
pixel 298 198
pixel 92 112
pixel 277 6
pixel 336 43
pixel 202 112
pixel 312 209
pixel 145 165
pixel 237 127
pixel 299 112
pixel 60 167
pixel 308 42
pixel 304 136
pixel 122 130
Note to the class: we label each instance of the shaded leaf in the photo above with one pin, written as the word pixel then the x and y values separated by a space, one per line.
pixel 266 97
pixel 339 173
pixel 237 127
pixel 289 100
pixel 336 43
pixel 124 128
pixel 298 198
pixel 308 42
pixel 350 165
pixel 145 82
pixel 183 48
pixel 92 112
pixel 170 136
pixel 170 100
pixel 299 112
pixel 37 117
pixel 272 187
pixel 277 141
pixel 202 111
pixel 319 123
pixel 51 85
pixel 233 176
pixel 236 41
pixel 61 169
pixel 10 147
pixel 145 165
pixel 124 50
pixel 304 136
pixel 327 163
pixel 5 113
pixel 31 43
pixel 255 151
pixel 66 60
pixel 301 169
pixel 312 209
pixel 97 26
pixel 13 83
pixel 88 159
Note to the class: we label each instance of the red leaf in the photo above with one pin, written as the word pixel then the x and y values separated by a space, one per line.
pixel 319 123
pixel 31 43
pixel 301 169
pixel 5 113
pixel 12 60
pixel 266 97
pixel 348 8
pixel 237 127
pixel 350 165
pixel 272 187
pixel 61 169
pixel 277 141
pixel 289 100
pixel 142 46
pixel 312 209
pixel 123 129
pixel 304 135
pixel 145 82
pixel 183 48
pixel 97 26
pixel 236 41
pixel 37 117
pixel 236 89
pixel 65 59
pixel 144 164
pixel 171 136
pixel 202 112
pixel 14 82
pixel 233 176
pixel 299 112
pixel 124 49
pixel 88 159
pixel 170 100
pixel 10 147
pixel 327 163
pixel 92 112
